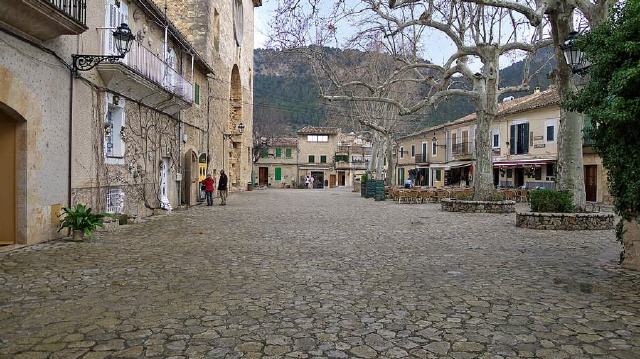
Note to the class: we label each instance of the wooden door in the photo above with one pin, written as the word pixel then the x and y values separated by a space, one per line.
pixel 263 176
pixel 591 182
pixel 332 181
pixel 7 180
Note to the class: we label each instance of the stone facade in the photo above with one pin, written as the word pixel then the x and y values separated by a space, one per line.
pixel 130 136
pixel 565 221
pixel 454 205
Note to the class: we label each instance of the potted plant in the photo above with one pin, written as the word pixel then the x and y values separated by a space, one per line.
pixel 81 221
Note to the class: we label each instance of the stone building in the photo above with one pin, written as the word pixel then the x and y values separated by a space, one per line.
pixel 332 158
pixel 524 144
pixel 127 135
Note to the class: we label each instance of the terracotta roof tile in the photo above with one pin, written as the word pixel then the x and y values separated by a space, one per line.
pixel 283 142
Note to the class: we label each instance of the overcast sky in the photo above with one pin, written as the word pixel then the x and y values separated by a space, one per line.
pixel 439 46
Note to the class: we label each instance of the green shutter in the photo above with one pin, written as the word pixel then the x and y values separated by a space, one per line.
pixel 278 173
pixel 278 152
pixel 287 152
pixel 312 158
pixel 323 159
pixel 196 94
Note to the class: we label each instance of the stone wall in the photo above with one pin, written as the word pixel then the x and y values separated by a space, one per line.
pixel 453 205
pixel 564 221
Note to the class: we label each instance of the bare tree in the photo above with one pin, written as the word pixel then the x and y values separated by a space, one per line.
pixel 480 34
pixel 562 17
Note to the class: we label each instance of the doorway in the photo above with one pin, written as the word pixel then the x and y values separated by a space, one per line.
pixel 332 181
pixel 318 179
pixel 496 177
pixel 7 180
pixel 164 181
pixel 263 176
pixel 591 182
pixel 341 178
pixel 518 177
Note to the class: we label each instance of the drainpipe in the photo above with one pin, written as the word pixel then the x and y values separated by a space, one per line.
pixel 70 159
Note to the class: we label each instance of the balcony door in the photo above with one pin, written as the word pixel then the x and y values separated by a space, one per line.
pixel 117 13
pixel 164 181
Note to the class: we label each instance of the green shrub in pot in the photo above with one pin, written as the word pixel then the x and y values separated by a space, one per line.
pixel 80 220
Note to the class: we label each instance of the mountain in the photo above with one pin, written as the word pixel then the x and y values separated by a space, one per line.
pixel 286 95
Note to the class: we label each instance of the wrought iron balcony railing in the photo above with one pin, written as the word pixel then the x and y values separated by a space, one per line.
pixel 75 9
pixel 151 66
pixel 421 158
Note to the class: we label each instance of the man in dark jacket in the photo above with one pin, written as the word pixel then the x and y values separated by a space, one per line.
pixel 222 188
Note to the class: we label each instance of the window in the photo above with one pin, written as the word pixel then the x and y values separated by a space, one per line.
pixel 238 21
pixel 509 173
pixel 287 153
pixel 424 152
pixel 114 200
pixel 264 153
pixel 537 173
pixel 413 150
pixel 434 148
pixel 495 138
pixel 438 175
pixel 519 139
pixel 551 169
pixel 278 174
pixel 278 152
pixel 312 159
pixel 400 176
pixel 401 152
pixel 196 94
pixel 323 159
pixel 550 126
pixel 114 127
pixel 216 30
pixel 317 138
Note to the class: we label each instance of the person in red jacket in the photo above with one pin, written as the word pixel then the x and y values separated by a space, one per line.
pixel 209 184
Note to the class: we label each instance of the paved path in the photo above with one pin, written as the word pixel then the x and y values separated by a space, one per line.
pixel 321 273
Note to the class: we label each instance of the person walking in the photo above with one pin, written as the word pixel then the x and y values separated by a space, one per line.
pixel 222 188
pixel 209 184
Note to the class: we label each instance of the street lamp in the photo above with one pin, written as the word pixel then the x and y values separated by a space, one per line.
pixel 227 136
pixel 123 39
pixel 435 139
pixel 573 55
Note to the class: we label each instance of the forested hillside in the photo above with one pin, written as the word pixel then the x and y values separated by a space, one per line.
pixel 286 96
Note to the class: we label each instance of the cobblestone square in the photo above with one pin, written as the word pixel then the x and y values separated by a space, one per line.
pixel 321 273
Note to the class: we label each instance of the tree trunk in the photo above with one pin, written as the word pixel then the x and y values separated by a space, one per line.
pixel 486 110
pixel 570 171
pixel 391 170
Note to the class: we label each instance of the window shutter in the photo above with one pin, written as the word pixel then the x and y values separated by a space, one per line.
pixel 278 173
pixel 512 140
pixel 525 142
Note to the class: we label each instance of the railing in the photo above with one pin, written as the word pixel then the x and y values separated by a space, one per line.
pixel 462 149
pixel 75 9
pixel 354 150
pixel 421 157
pixel 151 66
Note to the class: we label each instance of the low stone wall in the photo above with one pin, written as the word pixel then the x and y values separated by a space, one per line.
pixel 455 205
pixel 565 221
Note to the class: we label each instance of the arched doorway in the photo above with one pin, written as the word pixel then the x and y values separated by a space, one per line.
pixel 235 118
pixel 190 178
pixel 8 203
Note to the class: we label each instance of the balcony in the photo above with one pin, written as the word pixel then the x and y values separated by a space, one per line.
pixel 145 76
pixel 354 150
pixel 353 165
pixel 45 19
pixel 461 151
pixel 421 158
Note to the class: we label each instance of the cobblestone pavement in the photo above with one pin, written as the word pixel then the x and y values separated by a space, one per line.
pixel 305 273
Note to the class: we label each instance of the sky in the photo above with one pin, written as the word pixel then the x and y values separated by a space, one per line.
pixel 439 46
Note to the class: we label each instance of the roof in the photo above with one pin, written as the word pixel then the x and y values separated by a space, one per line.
pixel 311 130
pixel 283 142
pixel 522 104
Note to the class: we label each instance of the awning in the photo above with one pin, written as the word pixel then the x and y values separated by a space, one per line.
pixel 456 164
pixel 522 163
